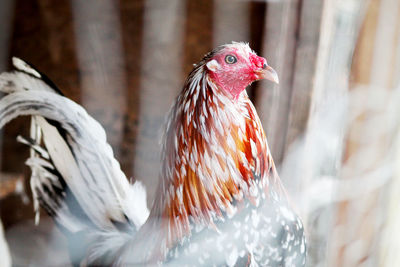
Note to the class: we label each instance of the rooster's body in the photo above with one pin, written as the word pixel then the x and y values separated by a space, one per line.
pixel 220 200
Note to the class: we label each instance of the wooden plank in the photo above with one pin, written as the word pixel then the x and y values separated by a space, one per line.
pixel 272 101
pixel 15 205
pixel 131 13
pixel 360 220
pixel 161 79
pixel 6 11
pixel 304 69
pixel 319 154
pixel 362 59
pixel 231 21
pixel 386 45
pixel 370 147
pixel 198 39
pixel 10 183
pixel 6 8
pixel 101 64
pixel 43 34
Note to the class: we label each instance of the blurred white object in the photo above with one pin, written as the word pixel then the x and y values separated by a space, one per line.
pixel 4 251
pixel 41 245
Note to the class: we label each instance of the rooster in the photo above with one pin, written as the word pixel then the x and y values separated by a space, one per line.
pixel 220 200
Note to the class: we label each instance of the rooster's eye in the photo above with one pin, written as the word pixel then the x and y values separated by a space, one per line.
pixel 230 59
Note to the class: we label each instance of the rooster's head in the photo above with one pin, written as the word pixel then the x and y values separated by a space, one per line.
pixel 235 66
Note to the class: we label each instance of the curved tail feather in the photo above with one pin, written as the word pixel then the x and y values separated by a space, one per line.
pixel 75 159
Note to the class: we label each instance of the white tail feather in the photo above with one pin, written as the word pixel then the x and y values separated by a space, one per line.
pixel 84 159
pixel 137 202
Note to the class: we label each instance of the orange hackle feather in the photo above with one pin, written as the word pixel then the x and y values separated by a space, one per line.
pixel 215 156
pixel 215 150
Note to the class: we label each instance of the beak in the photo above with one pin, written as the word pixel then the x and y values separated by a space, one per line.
pixel 268 73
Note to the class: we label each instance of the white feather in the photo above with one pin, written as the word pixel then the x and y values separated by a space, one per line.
pixel 21 65
pixel 136 204
pixel 85 159
pixel 4 251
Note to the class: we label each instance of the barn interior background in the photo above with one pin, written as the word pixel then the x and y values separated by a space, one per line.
pixel 332 123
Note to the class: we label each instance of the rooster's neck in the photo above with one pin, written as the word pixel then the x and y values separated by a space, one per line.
pixel 215 154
